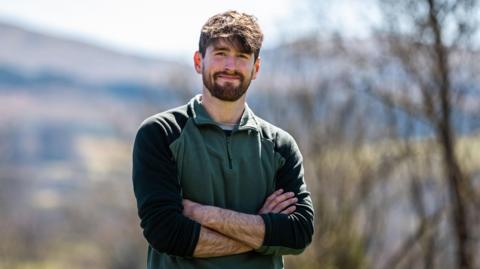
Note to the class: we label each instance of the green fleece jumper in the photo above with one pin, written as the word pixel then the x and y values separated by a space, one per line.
pixel 183 153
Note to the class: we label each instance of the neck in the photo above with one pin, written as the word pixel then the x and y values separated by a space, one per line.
pixel 222 111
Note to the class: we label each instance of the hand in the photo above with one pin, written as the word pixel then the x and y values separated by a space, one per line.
pixel 279 202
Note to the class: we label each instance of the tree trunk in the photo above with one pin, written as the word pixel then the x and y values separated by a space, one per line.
pixel 445 135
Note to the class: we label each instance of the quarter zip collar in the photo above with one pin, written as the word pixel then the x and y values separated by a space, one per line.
pixel 201 116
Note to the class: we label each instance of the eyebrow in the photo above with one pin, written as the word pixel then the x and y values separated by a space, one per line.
pixel 226 48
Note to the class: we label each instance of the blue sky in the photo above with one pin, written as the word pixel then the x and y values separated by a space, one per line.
pixel 168 28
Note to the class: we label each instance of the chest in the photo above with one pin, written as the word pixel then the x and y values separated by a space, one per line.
pixel 234 171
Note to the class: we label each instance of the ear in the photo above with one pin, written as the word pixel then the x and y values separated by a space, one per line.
pixel 197 62
pixel 256 68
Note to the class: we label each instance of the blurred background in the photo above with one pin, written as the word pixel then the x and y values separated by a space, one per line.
pixel 382 96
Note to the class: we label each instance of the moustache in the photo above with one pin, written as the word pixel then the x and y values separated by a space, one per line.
pixel 217 74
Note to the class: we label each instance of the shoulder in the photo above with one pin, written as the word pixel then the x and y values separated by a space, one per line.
pixel 168 124
pixel 284 141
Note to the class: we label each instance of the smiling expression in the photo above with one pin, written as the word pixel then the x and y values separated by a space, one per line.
pixel 226 71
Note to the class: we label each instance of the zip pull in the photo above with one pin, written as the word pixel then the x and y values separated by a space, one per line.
pixel 228 152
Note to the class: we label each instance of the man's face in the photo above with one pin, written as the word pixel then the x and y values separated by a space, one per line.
pixel 226 71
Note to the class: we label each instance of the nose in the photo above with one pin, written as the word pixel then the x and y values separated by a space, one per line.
pixel 230 63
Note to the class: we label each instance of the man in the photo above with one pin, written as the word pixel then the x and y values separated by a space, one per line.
pixel 216 186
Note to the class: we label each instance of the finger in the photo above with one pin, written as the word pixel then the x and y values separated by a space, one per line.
pixel 279 191
pixel 280 198
pixel 281 206
pixel 273 195
pixel 289 210
pixel 270 205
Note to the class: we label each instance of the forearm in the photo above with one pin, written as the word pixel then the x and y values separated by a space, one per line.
pixel 214 244
pixel 246 228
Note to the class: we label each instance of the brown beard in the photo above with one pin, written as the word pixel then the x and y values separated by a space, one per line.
pixel 228 92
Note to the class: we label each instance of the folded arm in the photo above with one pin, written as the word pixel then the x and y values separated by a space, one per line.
pixel 280 228
pixel 241 233
pixel 245 228
pixel 292 233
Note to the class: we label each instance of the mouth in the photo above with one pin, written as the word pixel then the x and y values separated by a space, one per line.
pixel 224 76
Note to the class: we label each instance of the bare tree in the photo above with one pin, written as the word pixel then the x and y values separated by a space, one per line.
pixel 425 37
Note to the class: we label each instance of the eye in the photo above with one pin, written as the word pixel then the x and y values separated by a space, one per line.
pixel 220 53
pixel 244 56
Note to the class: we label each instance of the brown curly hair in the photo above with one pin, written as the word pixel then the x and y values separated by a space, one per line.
pixel 239 29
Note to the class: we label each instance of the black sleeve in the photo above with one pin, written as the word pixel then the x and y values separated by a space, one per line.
pixel 289 234
pixel 158 192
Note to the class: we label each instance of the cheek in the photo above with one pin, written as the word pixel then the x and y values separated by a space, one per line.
pixel 215 62
pixel 212 67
